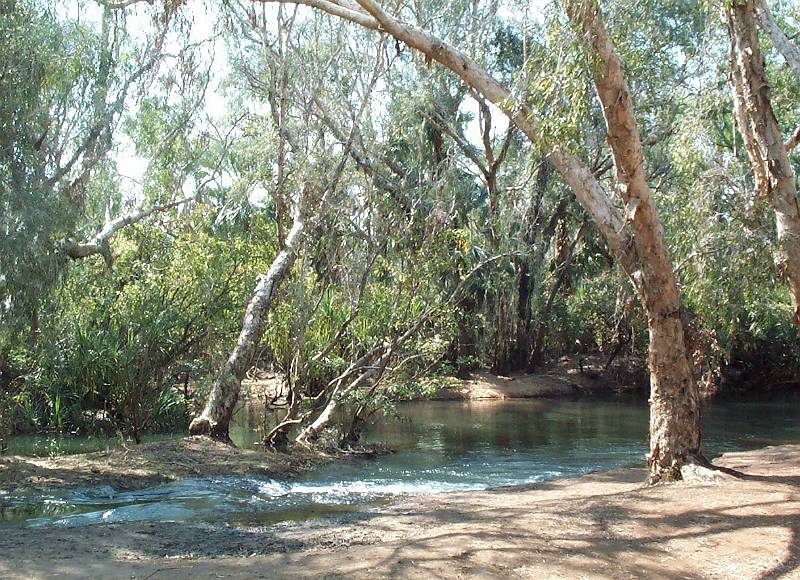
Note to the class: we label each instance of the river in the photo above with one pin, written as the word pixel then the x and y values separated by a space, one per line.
pixel 439 447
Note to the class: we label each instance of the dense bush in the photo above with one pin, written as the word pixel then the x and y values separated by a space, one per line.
pixel 114 344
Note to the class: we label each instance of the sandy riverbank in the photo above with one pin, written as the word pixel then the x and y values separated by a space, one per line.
pixel 598 526
pixel 139 466
pixel 566 377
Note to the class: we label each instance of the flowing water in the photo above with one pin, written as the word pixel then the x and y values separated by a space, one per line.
pixel 440 447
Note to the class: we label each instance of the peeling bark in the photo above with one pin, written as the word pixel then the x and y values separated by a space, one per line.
pixel 674 406
pixel 215 418
pixel 769 159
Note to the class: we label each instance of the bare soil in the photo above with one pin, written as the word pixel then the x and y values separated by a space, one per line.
pixel 148 464
pixel 603 525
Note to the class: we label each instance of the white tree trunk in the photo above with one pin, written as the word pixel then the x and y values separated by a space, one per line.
pixel 769 159
pixel 100 243
pixel 312 431
pixel 215 418
pixel 782 42
pixel 586 188
pixel 368 369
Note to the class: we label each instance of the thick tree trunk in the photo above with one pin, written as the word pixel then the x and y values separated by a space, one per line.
pixel 674 406
pixel 224 394
pixel 769 159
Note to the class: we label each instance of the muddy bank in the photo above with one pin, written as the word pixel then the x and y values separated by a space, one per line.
pixel 597 526
pixel 139 466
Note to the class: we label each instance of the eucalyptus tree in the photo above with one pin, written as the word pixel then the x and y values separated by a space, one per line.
pixel 634 236
pixel 365 296
pixel 66 82
pixel 86 94
pixel 308 180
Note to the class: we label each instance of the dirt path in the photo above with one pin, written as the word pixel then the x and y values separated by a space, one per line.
pixel 598 526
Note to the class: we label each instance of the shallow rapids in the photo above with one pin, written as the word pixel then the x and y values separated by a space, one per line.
pixel 440 447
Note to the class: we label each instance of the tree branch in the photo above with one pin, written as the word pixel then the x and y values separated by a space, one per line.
pixel 124 4
pixel 793 140
pixel 99 243
pixel 585 186
pixel 786 47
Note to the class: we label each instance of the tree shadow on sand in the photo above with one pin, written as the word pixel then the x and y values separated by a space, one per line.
pixel 667 532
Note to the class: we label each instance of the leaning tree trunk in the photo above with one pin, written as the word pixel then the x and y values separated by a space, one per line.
pixel 216 417
pixel 368 370
pixel 782 42
pixel 636 239
pixel 674 406
pixel 769 158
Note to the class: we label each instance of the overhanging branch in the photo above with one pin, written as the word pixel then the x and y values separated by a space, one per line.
pixel 585 186
pixel 100 242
